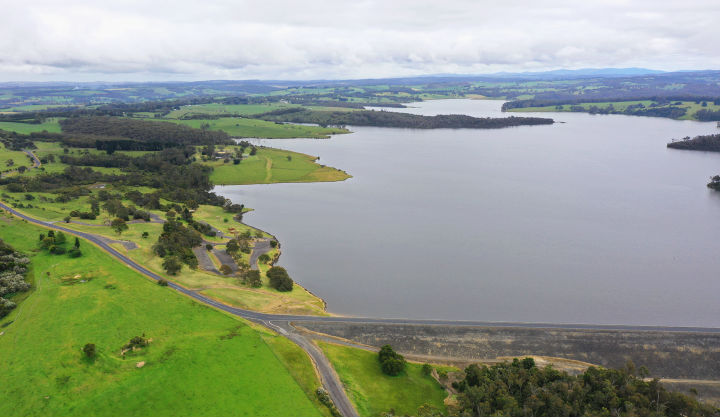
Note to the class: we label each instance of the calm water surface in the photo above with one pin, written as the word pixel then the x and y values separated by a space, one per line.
pixel 589 221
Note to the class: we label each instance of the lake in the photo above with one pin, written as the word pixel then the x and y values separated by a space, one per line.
pixel 592 221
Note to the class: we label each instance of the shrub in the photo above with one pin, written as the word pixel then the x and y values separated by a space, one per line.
pixel 58 250
pixel 225 220
pixel 67 219
pixel 89 350
pixel 273 243
pixel 426 369
pixel 163 283
pixel 75 252
pixel 391 362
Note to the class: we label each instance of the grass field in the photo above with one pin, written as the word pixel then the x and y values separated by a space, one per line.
pixel 51 126
pixel 272 166
pixel 19 158
pixel 200 361
pixel 253 128
pixel 218 108
pixel 372 392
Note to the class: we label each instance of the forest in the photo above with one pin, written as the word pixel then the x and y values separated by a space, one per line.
pixel 403 120
pixel 141 130
pixel 699 143
pixel 520 388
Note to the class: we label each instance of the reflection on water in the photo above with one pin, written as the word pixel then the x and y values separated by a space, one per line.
pixel 589 221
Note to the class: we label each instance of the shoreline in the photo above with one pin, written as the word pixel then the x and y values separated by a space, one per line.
pixel 277 257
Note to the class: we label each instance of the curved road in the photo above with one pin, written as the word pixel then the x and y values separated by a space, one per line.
pixel 330 379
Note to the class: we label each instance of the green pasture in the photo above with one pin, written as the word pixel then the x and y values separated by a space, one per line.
pixel 19 158
pixel 253 128
pixel 272 166
pixel 25 128
pixel 200 361
pixel 218 108
pixel 372 392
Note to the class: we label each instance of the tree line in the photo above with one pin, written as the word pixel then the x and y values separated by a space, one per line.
pixel 142 130
pixel 520 388
pixel 403 120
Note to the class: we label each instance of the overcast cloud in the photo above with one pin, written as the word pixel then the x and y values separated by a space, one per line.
pixel 82 40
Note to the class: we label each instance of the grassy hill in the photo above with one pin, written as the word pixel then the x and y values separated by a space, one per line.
pixel 200 361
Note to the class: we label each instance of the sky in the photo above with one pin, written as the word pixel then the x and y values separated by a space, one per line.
pixel 131 40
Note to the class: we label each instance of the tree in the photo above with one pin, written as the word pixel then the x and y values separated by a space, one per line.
pixel 9 162
pixel 264 258
pixel 22 169
pixel 208 247
pixel 253 278
pixel 170 215
pixel 60 238
pixel 192 204
pixel 426 369
pixel 172 265
pixel 253 151
pixel 279 279
pixel 392 363
pixel 119 226
pixel 273 243
pixel 163 283
pixel 48 242
pixel 232 247
pixel 258 234
pixel 145 234
pixel 89 350
pixel 393 366
pixel 226 269
pixel 66 219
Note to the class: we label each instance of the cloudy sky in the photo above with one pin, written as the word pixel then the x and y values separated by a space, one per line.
pixel 81 40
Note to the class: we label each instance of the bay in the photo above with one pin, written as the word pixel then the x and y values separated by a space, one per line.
pixel 592 220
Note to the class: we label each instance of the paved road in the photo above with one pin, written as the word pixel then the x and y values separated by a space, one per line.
pixel 330 378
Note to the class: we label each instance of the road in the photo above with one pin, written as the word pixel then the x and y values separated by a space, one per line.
pixel 330 379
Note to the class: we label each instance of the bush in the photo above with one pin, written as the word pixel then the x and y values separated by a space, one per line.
pixel 391 362
pixel 426 369
pixel 273 243
pixel 225 220
pixel 57 250
pixel 253 278
pixel 163 283
pixel 67 219
pixel 279 279
pixel 89 350
pixel 75 252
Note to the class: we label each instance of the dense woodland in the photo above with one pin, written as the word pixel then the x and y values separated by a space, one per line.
pixel 522 389
pixel 403 120
pixel 698 143
pixel 141 130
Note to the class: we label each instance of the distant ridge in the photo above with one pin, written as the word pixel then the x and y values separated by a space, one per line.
pixel 566 73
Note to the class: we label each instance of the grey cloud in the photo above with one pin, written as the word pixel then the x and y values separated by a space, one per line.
pixel 342 39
